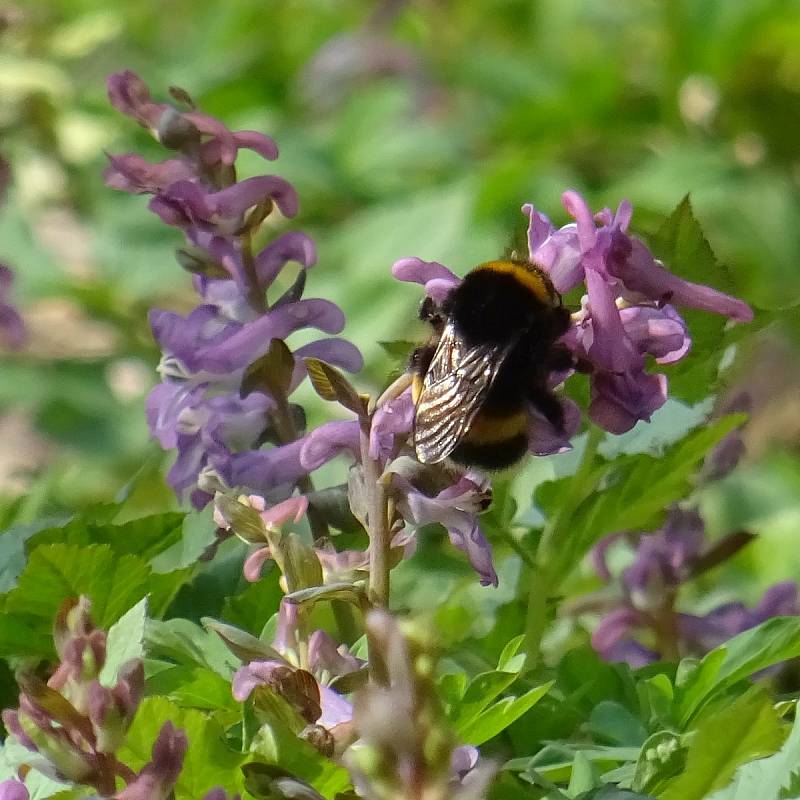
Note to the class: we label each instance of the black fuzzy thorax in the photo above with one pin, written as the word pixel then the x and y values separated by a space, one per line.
pixel 494 308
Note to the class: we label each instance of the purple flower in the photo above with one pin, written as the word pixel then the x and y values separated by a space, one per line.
pixel 629 309
pixel 12 328
pixel 186 204
pixel 663 562
pixel 157 778
pixel 627 313
pixel 197 409
pixel 13 790
pixel 321 661
pixel 456 508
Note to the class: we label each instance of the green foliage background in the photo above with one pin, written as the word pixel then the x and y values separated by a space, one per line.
pixel 494 103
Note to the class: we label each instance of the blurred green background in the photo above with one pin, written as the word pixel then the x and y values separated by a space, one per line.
pixel 412 128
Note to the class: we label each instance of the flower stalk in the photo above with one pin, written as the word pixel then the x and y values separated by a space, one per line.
pixel 545 581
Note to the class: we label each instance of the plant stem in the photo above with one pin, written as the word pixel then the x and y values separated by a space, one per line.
pixel 544 582
pixel 377 523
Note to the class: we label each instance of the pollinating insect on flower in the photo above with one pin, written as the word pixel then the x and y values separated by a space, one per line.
pixel 502 339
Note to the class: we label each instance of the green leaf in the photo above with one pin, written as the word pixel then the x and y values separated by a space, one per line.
pixel 251 608
pixel 478 695
pixel 681 244
pixel 399 350
pixel 56 572
pixel 610 792
pixel 612 723
pixel 125 641
pixel 501 715
pixel 186 643
pixel 12 551
pixel 736 733
pixel 583 777
pixel 209 762
pixel 193 687
pixel 775 640
pixel 629 493
pixel 145 537
pixel 766 778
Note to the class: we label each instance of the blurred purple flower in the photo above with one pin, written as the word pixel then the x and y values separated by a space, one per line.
pixel 12 328
pixel 72 721
pixel 663 562
pixel 13 790
pixel 156 780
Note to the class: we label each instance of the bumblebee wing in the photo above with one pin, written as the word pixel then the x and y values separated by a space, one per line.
pixel 453 390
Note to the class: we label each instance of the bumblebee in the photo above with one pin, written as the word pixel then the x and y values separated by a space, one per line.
pixel 493 348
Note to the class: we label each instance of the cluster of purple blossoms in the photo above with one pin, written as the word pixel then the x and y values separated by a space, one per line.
pixel 75 725
pixel 628 313
pixel 198 409
pixel 646 625
pixel 301 672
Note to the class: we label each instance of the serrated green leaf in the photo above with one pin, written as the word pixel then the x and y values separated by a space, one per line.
pixel 193 687
pixel 681 244
pixel 56 572
pixel 775 640
pixel 208 763
pixel 184 642
pixel 766 778
pixel 125 641
pixel 638 491
pixel 145 537
pixel 739 732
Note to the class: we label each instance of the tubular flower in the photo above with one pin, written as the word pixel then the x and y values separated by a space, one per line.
pixel 197 409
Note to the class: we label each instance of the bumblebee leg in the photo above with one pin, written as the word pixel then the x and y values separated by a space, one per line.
pixel 549 405
pixel 421 359
pixel 560 358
